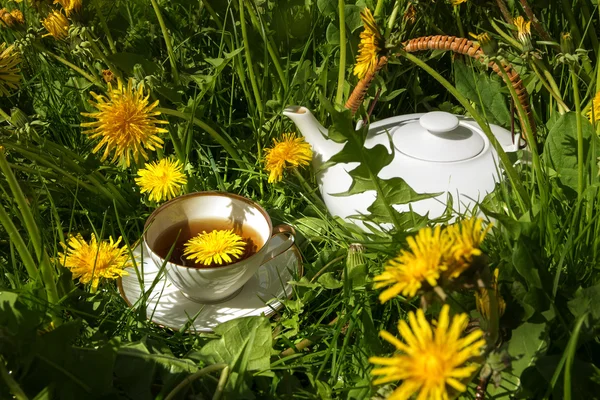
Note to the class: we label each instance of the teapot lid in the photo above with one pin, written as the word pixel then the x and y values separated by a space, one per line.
pixel 439 137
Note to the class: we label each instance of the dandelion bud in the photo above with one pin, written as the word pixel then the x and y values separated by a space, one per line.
pixel 524 33
pixel 488 44
pixel 566 43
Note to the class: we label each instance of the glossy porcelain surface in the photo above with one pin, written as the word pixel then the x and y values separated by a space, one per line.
pixel 434 153
pixel 209 285
pixel 167 306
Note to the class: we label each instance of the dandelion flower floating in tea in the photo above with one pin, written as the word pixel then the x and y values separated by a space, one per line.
pixel 57 25
pixel 370 46
pixel 94 260
pixel 482 299
pixel 216 247
pixel 10 76
pixel 422 264
pixel 288 152
pixel 126 123
pixel 432 356
pixel 594 113
pixel 162 179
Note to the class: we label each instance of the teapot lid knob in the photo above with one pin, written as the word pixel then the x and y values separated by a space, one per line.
pixel 439 122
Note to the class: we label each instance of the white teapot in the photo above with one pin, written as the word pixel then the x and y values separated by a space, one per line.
pixel 434 152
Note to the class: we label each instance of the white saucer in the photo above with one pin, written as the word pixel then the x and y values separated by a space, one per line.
pixel 167 306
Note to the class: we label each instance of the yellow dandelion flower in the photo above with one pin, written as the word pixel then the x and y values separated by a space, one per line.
pixel 411 269
pixel 57 25
pixel 216 247
pixel 10 76
pixel 290 152
pixel 107 75
pixel 466 237
pixel 594 113
pixel 370 47
pixel 410 15
pixel 487 43
pixel 69 6
pixel 162 179
pixel 430 359
pixel 457 2
pixel 18 16
pixel 523 28
pixel 11 19
pixel 482 299
pixel 91 261
pixel 125 123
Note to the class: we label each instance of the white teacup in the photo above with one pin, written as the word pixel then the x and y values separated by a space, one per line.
pixel 215 284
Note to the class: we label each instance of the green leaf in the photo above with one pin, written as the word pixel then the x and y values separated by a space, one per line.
pixel 525 265
pixel 311 228
pixel 561 147
pixel 332 34
pixel 586 300
pixel 392 95
pixel 327 7
pixel 528 342
pixel 249 334
pixel 126 62
pixel 134 375
pixel 484 91
pixel 365 176
pixel 353 20
pixel 329 282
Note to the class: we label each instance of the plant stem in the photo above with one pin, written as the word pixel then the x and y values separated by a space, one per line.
pixel 378 8
pixel 74 67
pixel 550 86
pixel 392 20
pixel 13 386
pixel 508 167
pixel 504 10
pixel 269 41
pixel 194 377
pixel 109 38
pixel 215 135
pixel 580 160
pixel 23 206
pixel 167 38
pixel 249 64
pixel 339 97
pixel 221 384
pixel 461 30
pixel 19 243
pixel 101 54
pixel 308 189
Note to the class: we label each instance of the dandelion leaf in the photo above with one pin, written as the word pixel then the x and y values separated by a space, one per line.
pixel 251 335
pixel 365 178
pixel 484 91
pixel 561 147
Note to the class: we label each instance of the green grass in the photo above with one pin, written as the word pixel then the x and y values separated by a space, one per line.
pixel 223 71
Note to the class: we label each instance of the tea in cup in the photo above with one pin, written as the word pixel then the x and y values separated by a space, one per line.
pixel 173 224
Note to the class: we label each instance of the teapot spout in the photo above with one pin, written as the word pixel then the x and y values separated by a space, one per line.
pixel 314 133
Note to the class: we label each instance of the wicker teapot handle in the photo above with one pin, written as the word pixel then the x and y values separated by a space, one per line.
pixel 446 43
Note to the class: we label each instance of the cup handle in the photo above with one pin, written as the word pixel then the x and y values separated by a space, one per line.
pixel 289 235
